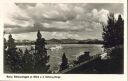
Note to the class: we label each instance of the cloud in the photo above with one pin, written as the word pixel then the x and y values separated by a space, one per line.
pixel 46 35
pixel 19 29
pixel 112 7
pixel 11 26
pixel 60 18
pixel 100 16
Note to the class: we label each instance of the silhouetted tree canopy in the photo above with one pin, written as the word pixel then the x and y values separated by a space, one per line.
pixel 113 31
pixel 28 62
pixel 113 44
pixel 13 59
pixel 41 57
pixel 64 64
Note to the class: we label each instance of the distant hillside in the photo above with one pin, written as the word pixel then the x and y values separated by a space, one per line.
pixel 62 41
pixel 74 41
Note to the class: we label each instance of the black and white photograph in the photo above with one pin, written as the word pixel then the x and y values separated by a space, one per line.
pixel 63 38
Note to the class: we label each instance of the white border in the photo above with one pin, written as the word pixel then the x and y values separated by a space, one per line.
pixel 68 77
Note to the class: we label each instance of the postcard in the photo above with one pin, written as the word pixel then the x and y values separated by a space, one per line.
pixel 63 40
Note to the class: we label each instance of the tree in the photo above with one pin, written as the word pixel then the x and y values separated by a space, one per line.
pixel 13 59
pixel 119 31
pixel 7 67
pixel 41 57
pixel 113 32
pixel 84 57
pixel 28 62
pixel 113 44
pixel 64 64
pixel 5 44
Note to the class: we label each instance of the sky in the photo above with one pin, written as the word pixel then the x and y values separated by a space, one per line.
pixel 58 20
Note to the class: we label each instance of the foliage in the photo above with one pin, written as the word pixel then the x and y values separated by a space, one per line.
pixel 82 58
pixel 30 61
pixel 113 45
pixel 13 60
pixel 41 57
pixel 64 64
pixel 113 32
